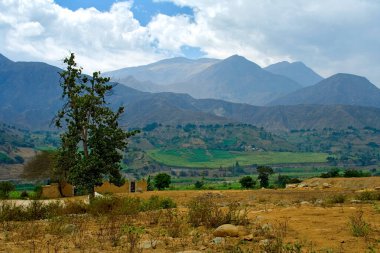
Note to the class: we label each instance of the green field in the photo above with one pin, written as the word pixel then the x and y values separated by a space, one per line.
pixel 201 158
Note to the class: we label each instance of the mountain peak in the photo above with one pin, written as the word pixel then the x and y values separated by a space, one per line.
pixel 4 60
pixel 237 60
pixel 296 71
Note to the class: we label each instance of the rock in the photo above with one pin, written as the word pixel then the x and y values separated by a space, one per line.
pixel 226 230
pixel 69 228
pixel 266 227
pixel 355 201
pixel 377 188
pixel 147 244
pixel 326 185
pixel 302 185
pixel 248 238
pixel 218 240
pixel 264 242
pixel 319 202
pixel 291 186
pixel 305 203
pixel 98 195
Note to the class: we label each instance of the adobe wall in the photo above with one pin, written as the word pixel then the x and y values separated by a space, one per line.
pixel 50 191
pixel 107 187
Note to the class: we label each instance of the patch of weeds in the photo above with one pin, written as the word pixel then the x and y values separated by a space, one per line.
pixel 359 227
pixel 368 196
pixel 133 235
pixel 336 199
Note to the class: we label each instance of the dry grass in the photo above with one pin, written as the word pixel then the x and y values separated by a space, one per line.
pixel 277 221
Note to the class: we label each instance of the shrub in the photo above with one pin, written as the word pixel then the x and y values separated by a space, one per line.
pixel 359 227
pixel 5 188
pixel 24 195
pixel 264 173
pixel 337 199
pixel 368 196
pixel 199 184
pixel 133 235
pixel 247 182
pixel 204 210
pixel 356 173
pixel 331 173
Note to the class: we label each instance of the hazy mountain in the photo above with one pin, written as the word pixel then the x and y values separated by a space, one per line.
pixel 163 72
pixel 30 97
pixel 238 80
pixel 345 89
pixel 296 71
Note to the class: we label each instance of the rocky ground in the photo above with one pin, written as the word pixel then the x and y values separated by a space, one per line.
pixel 304 219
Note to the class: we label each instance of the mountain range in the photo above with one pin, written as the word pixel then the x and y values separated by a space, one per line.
pixel 30 97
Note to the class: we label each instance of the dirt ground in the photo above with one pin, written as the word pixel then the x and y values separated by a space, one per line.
pixel 302 220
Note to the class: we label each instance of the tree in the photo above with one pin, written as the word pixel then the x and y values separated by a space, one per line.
pixel 162 181
pixel 247 182
pixel 5 188
pixel 264 173
pixel 199 184
pixel 93 140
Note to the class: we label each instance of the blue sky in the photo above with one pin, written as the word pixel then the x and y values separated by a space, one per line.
pixel 143 10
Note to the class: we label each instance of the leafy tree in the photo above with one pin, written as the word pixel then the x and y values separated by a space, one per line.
pixel 264 173
pixel 334 172
pixel 92 143
pixel 247 182
pixel 162 181
pixel 40 166
pixel 283 180
pixel 5 188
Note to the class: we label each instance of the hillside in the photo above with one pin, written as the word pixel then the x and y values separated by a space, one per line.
pixel 345 89
pixel 30 97
pixel 163 72
pixel 296 71
pixel 238 80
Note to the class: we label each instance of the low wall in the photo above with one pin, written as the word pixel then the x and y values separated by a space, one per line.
pixel 107 187
pixel 52 191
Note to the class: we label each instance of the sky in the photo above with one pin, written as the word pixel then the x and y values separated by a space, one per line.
pixel 330 36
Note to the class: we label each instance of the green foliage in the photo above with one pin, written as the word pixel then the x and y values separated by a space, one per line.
pixel 355 173
pixel 5 188
pixel 283 180
pixel 247 182
pixel 264 173
pixel 331 173
pixel 359 227
pixel 162 181
pixel 150 185
pixel 199 184
pixel 337 199
pixel 93 126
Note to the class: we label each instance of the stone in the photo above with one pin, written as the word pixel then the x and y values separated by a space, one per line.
pixel 147 244
pixel 226 230
pixel 302 185
pixel 291 186
pixel 248 238
pixel 218 240
pixel 355 201
pixel 305 203
pixel 377 188
pixel 326 185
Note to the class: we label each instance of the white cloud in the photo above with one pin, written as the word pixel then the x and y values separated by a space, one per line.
pixel 328 35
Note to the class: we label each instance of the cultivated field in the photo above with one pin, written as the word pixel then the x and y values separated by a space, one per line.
pixel 201 158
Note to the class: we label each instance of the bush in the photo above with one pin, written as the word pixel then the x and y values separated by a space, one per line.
pixel 331 173
pixel 337 199
pixel 368 196
pixel 204 210
pixel 247 182
pixel 199 184
pixel 24 195
pixel 283 180
pixel 5 188
pixel 356 173
pixel 359 227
